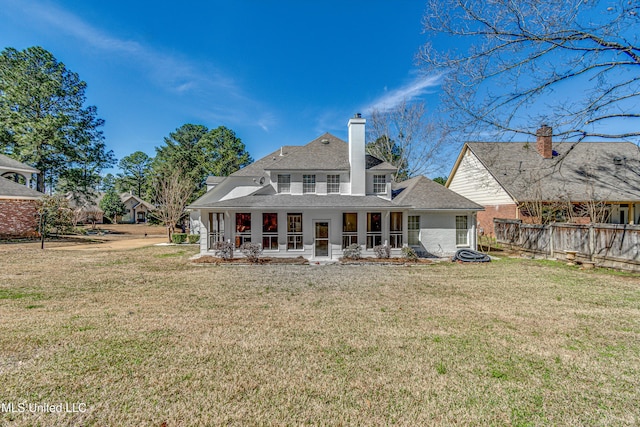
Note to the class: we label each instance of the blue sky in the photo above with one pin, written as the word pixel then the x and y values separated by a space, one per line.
pixel 279 72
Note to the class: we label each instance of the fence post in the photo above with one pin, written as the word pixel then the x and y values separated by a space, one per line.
pixel 592 241
pixel 551 240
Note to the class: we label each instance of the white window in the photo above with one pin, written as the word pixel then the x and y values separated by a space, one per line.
pixel 379 184
pixel 216 228
pixel 413 228
pixel 308 183
pixel 284 183
pixel 349 229
pixel 462 229
pixel 395 230
pixel 294 231
pixel 333 183
pixel 374 229
pixel 270 231
pixel 243 229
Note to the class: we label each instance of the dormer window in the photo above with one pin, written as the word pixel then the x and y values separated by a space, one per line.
pixel 284 183
pixel 379 184
pixel 333 183
pixel 308 183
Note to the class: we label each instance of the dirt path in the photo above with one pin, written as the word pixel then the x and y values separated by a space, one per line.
pixel 114 245
pixel 104 237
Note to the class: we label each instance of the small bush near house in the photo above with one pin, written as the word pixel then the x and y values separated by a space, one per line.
pixel 224 250
pixel 382 251
pixel 409 253
pixel 352 251
pixel 193 238
pixel 178 238
pixel 252 251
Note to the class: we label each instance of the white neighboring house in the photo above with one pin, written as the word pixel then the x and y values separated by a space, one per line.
pixel 317 199
pixel 137 209
pixel 506 176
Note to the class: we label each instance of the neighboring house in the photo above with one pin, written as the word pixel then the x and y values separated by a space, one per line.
pixel 510 179
pixel 84 211
pixel 317 199
pixel 137 209
pixel 18 201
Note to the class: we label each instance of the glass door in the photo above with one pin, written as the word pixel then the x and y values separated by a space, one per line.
pixel 321 240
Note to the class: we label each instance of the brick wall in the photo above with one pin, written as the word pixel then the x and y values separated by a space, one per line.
pixel 485 218
pixel 17 218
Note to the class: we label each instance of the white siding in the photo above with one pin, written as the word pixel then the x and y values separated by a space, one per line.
pixel 473 181
pixel 438 232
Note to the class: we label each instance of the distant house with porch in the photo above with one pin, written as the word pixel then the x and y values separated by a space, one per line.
pixel 137 210
pixel 317 199
pixel 578 182
pixel 18 201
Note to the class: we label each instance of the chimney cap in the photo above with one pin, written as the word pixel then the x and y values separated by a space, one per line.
pixel 357 116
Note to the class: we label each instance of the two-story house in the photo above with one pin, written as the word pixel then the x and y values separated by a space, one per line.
pixel 317 199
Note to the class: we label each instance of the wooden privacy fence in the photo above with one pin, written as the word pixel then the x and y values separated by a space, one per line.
pixel 609 245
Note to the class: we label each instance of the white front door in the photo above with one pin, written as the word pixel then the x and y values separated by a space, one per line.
pixel 321 246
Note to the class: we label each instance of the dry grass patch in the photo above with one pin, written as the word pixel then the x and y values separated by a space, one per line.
pixel 145 337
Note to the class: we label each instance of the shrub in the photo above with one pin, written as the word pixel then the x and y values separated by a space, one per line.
pixel 193 238
pixel 409 253
pixel 382 251
pixel 252 251
pixel 178 238
pixel 352 251
pixel 224 250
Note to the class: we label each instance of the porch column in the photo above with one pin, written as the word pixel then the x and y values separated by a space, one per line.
pixel 474 233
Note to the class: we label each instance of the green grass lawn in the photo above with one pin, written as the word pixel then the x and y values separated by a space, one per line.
pixel 144 337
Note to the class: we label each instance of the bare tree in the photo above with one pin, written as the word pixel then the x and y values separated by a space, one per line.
pixel 574 64
pixel 404 137
pixel 172 193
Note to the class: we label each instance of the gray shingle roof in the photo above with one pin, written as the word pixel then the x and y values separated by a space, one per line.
pixel 607 171
pixel 374 163
pixel 13 190
pixel 327 152
pixel 423 193
pixel 299 201
pixel 330 153
pixel 7 163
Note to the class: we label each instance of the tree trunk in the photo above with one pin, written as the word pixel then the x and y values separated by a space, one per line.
pixel 40 182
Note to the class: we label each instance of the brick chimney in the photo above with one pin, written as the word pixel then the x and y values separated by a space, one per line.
pixel 543 142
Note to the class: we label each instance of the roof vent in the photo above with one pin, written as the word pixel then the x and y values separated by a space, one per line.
pixel 325 141
pixel 619 161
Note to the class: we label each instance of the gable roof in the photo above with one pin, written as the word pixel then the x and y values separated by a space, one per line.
pixel 325 153
pixel 8 164
pixel 298 201
pixel 423 193
pixel 138 201
pixel 608 171
pixel 13 190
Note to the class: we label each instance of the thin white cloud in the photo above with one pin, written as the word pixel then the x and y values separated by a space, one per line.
pixel 410 91
pixel 172 73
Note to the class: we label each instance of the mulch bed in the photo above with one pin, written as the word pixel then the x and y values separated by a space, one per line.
pixel 215 260
pixel 207 259
pixel 398 261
